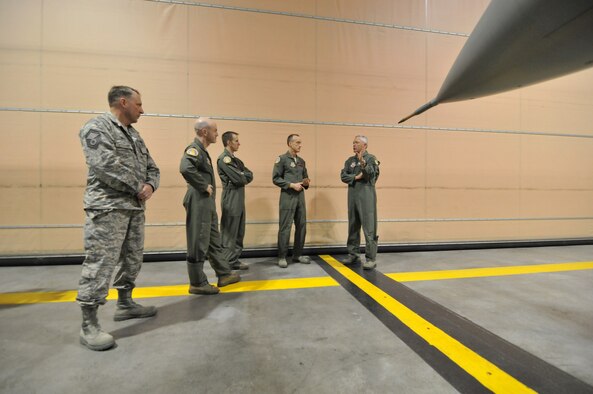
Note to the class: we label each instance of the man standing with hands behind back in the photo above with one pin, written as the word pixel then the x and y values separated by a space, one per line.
pixel 360 172
pixel 234 176
pixel 201 223
pixel 290 175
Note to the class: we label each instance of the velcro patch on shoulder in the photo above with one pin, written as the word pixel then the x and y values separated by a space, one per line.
pixel 93 139
pixel 192 152
pixel 277 160
pixel 226 160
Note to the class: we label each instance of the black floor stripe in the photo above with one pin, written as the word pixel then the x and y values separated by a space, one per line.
pixel 524 366
pixel 527 368
pixel 451 372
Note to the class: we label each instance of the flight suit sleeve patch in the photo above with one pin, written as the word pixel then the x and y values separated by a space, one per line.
pixel 226 160
pixel 377 162
pixel 192 152
pixel 277 160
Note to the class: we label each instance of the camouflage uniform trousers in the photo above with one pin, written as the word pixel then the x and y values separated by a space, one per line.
pixel 111 238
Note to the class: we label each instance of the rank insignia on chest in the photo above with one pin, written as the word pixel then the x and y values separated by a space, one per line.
pixel 353 164
pixel 292 164
pixel 226 160
pixel 192 152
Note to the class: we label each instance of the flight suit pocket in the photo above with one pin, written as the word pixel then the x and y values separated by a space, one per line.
pixel 204 238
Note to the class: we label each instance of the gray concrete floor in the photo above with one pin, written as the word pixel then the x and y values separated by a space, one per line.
pixel 319 340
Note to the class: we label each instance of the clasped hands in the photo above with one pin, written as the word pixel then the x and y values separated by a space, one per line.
pixel 299 186
pixel 145 193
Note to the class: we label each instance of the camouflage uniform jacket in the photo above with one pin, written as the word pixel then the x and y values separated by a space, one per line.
pixel 119 164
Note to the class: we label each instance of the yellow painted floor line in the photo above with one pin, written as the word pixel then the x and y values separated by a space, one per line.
pixel 296 283
pixel 481 369
pixel 280 284
pixel 490 271
pixel 170 291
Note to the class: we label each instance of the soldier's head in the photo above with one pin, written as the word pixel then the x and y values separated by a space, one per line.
pixel 206 131
pixel 230 140
pixel 125 103
pixel 360 143
pixel 294 143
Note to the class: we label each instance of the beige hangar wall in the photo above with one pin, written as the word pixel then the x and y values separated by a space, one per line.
pixel 513 166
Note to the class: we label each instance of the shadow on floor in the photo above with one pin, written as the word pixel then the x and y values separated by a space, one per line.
pixel 192 308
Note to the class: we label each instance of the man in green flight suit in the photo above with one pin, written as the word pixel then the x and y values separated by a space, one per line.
pixel 203 238
pixel 234 176
pixel 290 175
pixel 360 172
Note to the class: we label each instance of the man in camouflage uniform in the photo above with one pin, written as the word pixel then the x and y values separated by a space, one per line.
pixel 290 175
pixel 360 172
pixel 234 176
pixel 203 238
pixel 122 176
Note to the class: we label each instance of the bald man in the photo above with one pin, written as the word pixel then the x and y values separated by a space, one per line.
pixel 203 237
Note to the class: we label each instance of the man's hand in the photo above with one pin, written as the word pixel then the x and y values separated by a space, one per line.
pixel 360 158
pixel 306 182
pixel 145 193
pixel 209 190
pixel 296 186
pixel 358 177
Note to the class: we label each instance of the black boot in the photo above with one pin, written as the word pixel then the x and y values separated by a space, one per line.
pixel 128 309
pixel 91 334
pixel 198 282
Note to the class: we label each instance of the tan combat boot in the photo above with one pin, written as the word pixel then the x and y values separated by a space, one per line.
pixel 228 279
pixel 128 309
pixel 303 260
pixel 369 264
pixel 91 334
pixel 351 259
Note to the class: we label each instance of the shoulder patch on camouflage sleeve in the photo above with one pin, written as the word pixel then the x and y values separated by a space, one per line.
pixel 92 140
pixel 192 152
pixel 377 162
pixel 277 160
pixel 226 160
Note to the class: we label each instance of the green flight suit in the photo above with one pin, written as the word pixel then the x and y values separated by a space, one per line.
pixel 234 176
pixel 362 204
pixel 287 170
pixel 201 223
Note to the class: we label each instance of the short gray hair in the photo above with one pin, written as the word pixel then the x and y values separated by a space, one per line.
pixel 363 138
pixel 117 92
